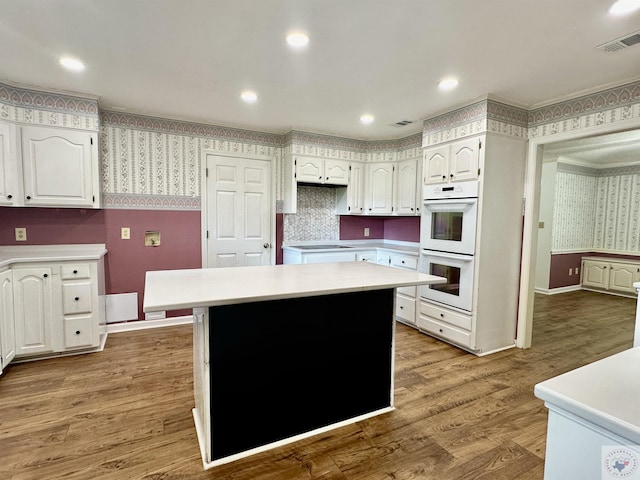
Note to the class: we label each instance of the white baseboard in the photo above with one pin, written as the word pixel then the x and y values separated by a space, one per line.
pixel 554 291
pixel 145 324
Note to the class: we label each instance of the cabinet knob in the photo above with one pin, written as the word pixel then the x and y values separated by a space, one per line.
pixel 28 197
pixel 442 315
pixel 319 178
pixel 77 332
pixel 75 271
pixel 444 177
pixel 45 275
pixel 401 307
pixel 77 298
pixel 440 330
pixel 9 196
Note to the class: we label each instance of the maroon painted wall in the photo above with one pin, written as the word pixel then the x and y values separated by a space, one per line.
pixel 406 229
pixel 559 269
pixel 127 260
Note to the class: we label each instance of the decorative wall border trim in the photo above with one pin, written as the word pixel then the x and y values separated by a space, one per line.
pixel 586 104
pixel 149 202
pixel 180 127
pixel 598 172
pixel 53 102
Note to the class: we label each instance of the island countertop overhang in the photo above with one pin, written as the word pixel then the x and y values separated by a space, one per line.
pixel 193 288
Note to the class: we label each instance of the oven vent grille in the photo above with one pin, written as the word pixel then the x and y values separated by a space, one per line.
pixel 620 43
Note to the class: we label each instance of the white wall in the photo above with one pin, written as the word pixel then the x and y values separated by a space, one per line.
pixel 547 197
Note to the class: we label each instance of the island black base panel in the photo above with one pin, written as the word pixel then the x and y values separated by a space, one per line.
pixel 281 368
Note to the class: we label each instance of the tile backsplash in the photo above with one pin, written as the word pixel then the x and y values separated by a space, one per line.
pixel 316 217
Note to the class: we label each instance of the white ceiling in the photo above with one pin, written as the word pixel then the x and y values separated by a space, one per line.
pixel 190 59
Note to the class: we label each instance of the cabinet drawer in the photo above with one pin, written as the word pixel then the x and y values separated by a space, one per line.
pixel 78 332
pixel 70 272
pixel 76 298
pixel 444 315
pixel 406 309
pixel 408 291
pixel 444 331
pixel 404 261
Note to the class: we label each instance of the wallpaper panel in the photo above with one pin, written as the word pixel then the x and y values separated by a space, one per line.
pixel 597 209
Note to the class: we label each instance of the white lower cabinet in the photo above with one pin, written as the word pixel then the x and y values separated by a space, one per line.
pixel 33 310
pixel 7 329
pixel 405 296
pixel 615 276
pixel 447 324
pixel 50 308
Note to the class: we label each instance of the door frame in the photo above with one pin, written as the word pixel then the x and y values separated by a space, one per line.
pixel 533 173
pixel 204 198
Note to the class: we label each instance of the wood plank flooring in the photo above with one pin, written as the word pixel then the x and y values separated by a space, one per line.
pixel 125 413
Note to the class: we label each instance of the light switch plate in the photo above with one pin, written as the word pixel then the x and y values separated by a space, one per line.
pixel 125 233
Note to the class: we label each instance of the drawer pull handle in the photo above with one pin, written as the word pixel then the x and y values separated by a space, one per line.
pixel 77 332
pixel 77 298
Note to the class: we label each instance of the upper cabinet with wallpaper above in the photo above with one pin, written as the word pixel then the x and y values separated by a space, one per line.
pixel 454 162
pixel 48 167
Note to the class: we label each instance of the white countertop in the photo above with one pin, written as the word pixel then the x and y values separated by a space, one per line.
pixel 177 289
pixel 50 253
pixel 401 247
pixel 606 393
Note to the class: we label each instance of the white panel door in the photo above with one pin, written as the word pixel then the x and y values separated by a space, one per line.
pixel 238 218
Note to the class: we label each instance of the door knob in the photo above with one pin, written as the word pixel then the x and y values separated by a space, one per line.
pixel 266 245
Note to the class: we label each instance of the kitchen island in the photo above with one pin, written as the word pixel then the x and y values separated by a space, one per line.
pixel 284 352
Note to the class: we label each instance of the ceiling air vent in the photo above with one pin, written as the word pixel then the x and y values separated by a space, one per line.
pixel 403 123
pixel 620 43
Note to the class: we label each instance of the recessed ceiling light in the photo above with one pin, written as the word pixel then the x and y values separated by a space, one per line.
pixel 622 7
pixel 298 39
pixel 366 119
pixel 71 63
pixel 249 96
pixel 448 84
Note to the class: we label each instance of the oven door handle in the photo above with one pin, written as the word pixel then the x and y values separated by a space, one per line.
pixel 440 206
pixel 453 256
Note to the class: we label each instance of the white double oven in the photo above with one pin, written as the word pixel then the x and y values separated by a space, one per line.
pixel 448 241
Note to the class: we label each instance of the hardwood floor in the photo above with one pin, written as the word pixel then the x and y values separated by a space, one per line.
pixel 125 413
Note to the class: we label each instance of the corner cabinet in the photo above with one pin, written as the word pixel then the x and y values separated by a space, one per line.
pixel 48 167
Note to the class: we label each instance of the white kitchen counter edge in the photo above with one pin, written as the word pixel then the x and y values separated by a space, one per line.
pixel 50 253
pixel 410 248
pixel 604 393
pixel 179 289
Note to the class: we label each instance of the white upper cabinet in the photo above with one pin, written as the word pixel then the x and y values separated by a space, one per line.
pixel 379 188
pixel 59 167
pixel 455 162
pixel 406 184
pixel 318 170
pixel 10 192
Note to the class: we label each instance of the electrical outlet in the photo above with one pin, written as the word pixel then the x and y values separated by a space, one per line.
pixel 570 271
pixel 21 234
pixel 366 231
pixel 125 233
pixel 577 271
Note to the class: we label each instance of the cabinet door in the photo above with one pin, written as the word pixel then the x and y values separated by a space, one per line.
pixel 336 172
pixel 595 274
pixel 309 170
pixel 405 191
pixel 463 162
pixel 379 187
pixel 10 193
pixel 622 276
pixel 435 165
pixel 7 329
pixel 356 188
pixel 33 310
pixel 58 167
